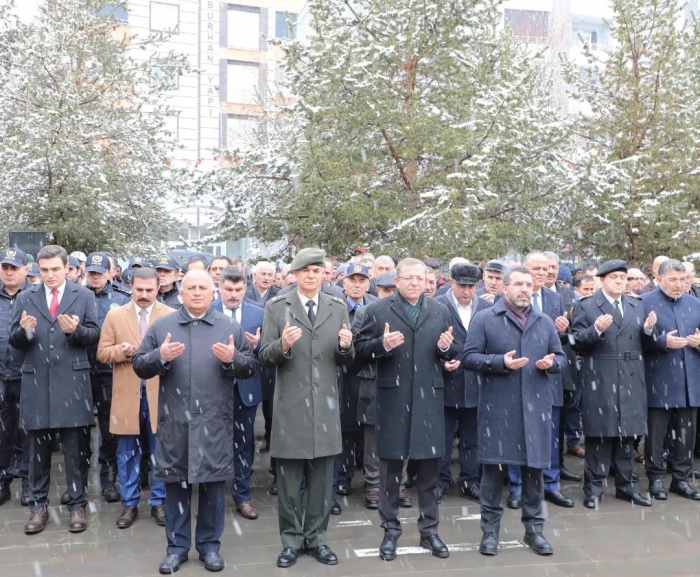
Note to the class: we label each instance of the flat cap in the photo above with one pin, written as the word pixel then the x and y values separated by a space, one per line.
pixel 432 263
pixel 357 269
pixel 496 266
pixel 386 280
pixel 166 262
pixel 612 266
pixel 307 257
pixel 565 274
pixel 464 273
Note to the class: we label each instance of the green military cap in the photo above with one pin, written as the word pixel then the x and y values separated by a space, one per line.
pixel 308 256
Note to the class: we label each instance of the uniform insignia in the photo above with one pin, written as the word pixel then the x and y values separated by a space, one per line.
pixel 277 298
pixel 96 259
pixel 164 259
pixel 357 268
pixel 113 306
pixel 11 253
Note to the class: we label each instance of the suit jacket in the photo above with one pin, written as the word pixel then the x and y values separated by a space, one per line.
pixel 306 416
pixel 252 316
pixel 570 376
pixel 56 390
pixel 461 387
pixel 553 307
pixel 252 295
pixel 410 387
pixel 121 326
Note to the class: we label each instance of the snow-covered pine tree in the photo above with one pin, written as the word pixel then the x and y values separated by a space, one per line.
pixel 83 153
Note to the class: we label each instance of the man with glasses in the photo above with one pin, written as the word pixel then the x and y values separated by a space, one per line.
pixel 635 281
pixel 409 336
pixel 515 347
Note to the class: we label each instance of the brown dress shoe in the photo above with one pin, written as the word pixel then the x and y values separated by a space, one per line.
pixel 158 513
pixel 127 518
pixel 78 521
pixel 577 450
pixel 405 499
pixel 372 499
pixel 37 521
pixel 247 509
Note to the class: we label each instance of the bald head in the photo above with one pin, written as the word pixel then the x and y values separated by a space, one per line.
pixel 197 292
pixel 658 261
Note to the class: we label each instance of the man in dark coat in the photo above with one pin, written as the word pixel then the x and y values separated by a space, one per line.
pixel 54 323
pixel 461 387
pixel 197 352
pixel 515 347
pixel 608 328
pixel 306 336
pixel 262 289
pixel 14 450
pixel 168 289
pixel 409 336
pixel 672 372
pixel 247 392
pixel 356 287
pixel 493 280
pixel 542 266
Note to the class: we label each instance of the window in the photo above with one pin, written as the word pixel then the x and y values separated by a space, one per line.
pixel 171 124
pixel 169 74
pixel 244 28
pixel 282 21
pixel 589 37
pixel 242 83
pixel 529 25
pixel 164 17
pixel 116 10
pixel 241 131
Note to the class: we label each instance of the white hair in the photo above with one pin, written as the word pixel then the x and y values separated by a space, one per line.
pixel 457 260
pixel 689 266
pixel 261 264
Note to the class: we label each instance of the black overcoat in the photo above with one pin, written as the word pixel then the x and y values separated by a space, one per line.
pixel 56 390
pixel 614 394
pixel 195 396
pixel 410 416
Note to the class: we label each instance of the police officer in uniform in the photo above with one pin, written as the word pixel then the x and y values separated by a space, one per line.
pixel 108 297
pixel 168 291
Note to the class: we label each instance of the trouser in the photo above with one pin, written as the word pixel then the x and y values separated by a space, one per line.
pixel 390 473
pixel 532 515
pixel 210 517
pixel 14 443
pixel 464 421
pixel 318 473
pixel 267 415
pixel 572 417
pixel 243 447
pixel 40 451
pixel 683 425
pixel 129 461
pixel 345 461
pixel 102 398
pixel 550 475
pixel 601 452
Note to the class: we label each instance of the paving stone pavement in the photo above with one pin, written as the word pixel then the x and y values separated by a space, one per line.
pixel 618 540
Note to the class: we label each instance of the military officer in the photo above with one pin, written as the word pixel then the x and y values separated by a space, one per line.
pixel 306 336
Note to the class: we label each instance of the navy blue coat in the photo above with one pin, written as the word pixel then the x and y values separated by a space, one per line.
pixel 672 375
pixel 11 359
pixel 110 297
pixel 553 307
pixel 252 315
pixel 461 387
pixel 515 407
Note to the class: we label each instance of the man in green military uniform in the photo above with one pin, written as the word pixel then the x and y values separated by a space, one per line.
pixel 306 336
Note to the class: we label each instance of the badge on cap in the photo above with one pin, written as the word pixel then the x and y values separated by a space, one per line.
pixel 11 253
pixel 96 259
pixel 357 268
pixel 164 259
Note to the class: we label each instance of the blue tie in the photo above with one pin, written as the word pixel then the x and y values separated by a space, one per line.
pixel 536 301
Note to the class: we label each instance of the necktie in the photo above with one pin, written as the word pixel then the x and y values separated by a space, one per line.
pixel 53 309
pixel 234 314
pixel 536 301
pixel 617 313
pixel 143 323
pixel 312 314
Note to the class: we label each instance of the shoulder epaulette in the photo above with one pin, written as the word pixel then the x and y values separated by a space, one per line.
pixel 276 299
pixel 121 290
pixel 583 298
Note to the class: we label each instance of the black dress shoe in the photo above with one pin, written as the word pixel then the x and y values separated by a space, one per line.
pixel 335 508
pixel 470 491
pixel 558 498
pixel 344 489
pixel 212 561
pixel 323 554
pixel 5 493
pixel 65 498
pixel 441 493
pixel 657 490
pixel 515 500
pixel 489 544
pixel 24 498
pixel 110 493
pixel 273 487
pixel 636 498
pixel 410 482
pixel 287 557
pixel 592 502
pixel 171 564
pixel 567 475
pixel 435 545
pixel 387 550
pixel 538 543
pixel 683 489
pixel 128 517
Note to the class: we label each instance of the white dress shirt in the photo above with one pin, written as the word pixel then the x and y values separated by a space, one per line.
pixel 465 313
pixel 229 312
pixel 305 300
pixel 49 293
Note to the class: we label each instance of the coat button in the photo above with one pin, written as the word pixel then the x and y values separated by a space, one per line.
pixel 621 372
pixel 52 364
pixel 632 374
pixel 315 362
pixel 52 330
pixel 314 337
pixel 51 347
pixel 194 323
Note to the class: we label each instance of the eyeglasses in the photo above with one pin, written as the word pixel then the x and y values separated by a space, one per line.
pixel 636 278
pixel 522 284
pixel 412 278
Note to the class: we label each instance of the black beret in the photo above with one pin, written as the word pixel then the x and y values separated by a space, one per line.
pixel 612 266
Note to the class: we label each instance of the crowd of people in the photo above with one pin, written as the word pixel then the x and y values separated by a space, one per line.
pixel 392 367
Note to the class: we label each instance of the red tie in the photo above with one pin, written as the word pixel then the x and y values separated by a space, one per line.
pixel 53 309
